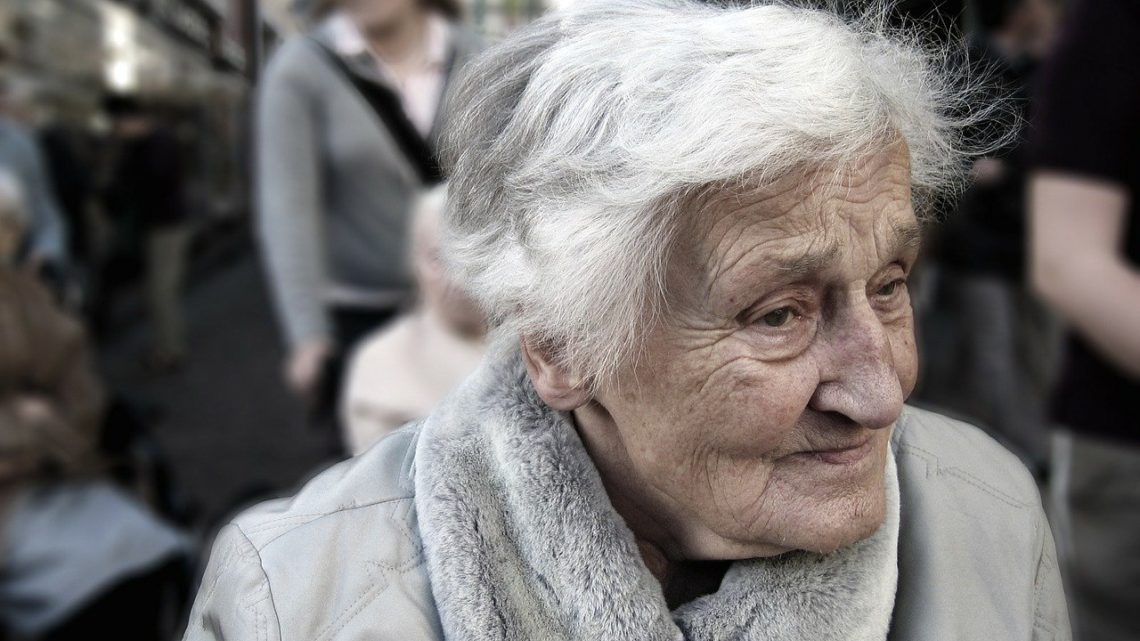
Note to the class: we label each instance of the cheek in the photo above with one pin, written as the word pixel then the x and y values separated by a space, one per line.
pixel 905 354
pixel 739 407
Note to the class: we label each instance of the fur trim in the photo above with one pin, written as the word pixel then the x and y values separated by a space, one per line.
pixel 522 541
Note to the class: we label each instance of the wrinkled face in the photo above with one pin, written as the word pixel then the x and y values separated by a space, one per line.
pixel 758 419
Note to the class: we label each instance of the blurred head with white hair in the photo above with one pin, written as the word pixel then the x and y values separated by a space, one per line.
pixel 437 290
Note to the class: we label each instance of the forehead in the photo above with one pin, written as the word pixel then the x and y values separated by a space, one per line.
pixel 812 221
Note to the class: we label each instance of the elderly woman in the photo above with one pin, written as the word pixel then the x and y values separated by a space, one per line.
pixel 693 227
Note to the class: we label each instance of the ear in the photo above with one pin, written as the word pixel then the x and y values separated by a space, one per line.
pixel 560 389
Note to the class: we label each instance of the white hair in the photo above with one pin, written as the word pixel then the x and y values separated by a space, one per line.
pixel 574 145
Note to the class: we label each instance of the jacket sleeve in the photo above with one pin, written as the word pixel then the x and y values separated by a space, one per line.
pixel 289 209
pixel 1051 612
pixel 234 602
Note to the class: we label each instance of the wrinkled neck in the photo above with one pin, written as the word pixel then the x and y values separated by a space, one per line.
pixel 682 580
pixel 655 531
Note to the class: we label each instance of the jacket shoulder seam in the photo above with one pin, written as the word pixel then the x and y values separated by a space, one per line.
pixel 269 524
pixel 935 466
pixel 312 517
pixel 251 606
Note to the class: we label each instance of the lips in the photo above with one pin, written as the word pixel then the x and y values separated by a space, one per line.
pixel 842 453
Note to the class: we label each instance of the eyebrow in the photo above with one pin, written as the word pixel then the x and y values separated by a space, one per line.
pixel 907 237
pixel 812 261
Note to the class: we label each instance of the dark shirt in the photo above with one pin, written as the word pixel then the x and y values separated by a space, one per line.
pixel 986 235
pixel 71 175
pixel 1088 123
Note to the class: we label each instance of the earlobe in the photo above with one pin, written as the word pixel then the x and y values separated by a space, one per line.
pixel 560 389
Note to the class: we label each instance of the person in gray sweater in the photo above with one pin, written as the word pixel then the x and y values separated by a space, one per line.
pixel 335 179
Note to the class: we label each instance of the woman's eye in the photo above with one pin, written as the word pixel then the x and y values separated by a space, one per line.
pixel 777 318
pixel 890 288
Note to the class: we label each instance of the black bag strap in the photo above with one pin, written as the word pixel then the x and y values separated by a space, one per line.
pixel 386 103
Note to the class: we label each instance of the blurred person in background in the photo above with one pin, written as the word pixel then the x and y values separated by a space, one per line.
pixel 994 355
pixel 402 371
pixel 20 155
pixel 81 559
pixel 145 197
pixel 69 162
pixel 44 363
pixel 1085 208
pixel 348 118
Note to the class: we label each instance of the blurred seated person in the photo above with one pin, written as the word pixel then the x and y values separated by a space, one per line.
pixel 401 372
pixel 42 350
pixel 79 557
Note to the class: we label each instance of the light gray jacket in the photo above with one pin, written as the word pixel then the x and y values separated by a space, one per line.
pixel 462 524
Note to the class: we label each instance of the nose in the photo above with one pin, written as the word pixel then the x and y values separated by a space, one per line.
pixel 858 377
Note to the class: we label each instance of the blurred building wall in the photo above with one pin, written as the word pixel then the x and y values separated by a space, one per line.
pixel 192 58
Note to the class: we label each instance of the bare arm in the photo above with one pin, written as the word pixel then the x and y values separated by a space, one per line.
pixel 1077 228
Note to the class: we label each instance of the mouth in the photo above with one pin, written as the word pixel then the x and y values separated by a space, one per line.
pixel 848 453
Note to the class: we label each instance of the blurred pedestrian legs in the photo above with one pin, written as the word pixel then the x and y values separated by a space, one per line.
pixel 167 248
pixel 1096 510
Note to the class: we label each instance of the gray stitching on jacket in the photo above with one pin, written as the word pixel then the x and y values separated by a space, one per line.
pixel 328 514
pixel 270 524
pixel 935 466
pixel 268 588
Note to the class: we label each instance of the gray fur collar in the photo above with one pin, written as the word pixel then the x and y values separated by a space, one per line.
pixel 522 542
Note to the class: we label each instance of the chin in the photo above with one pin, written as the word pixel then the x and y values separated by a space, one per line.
pixel 830 509
pixel 841 526
pixel 827 525
pixel 824 530
pixel 812 523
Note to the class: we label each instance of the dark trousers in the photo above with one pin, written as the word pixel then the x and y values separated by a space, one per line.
pixel 1095 488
